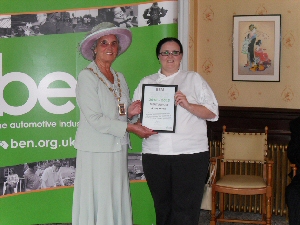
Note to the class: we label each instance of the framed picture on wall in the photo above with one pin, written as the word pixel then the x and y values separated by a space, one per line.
pixel 256 48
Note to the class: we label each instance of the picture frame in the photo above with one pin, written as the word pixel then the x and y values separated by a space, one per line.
pixel 256 48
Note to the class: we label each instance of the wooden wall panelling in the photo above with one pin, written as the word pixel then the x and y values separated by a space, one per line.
pixel 254 119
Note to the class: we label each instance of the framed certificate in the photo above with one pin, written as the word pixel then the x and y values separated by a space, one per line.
pixel 158 107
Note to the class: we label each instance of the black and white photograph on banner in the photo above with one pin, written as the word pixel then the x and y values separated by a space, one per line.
pixel 5 26
pixel 157 13
pixel 135 167
pixel 23 25
pixel 67 22
pixel 84 20
pixel 125 17
pixel 40 24
pixel 37 175
pixel 46 174
pixel 53 23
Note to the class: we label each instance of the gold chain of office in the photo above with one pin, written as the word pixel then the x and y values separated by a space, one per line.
pixel 112 90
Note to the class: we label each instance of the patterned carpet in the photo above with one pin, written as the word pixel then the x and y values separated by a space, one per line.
pixel 276 220
pixel 205 218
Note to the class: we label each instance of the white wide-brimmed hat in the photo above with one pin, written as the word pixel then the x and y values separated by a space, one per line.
pixel 124 36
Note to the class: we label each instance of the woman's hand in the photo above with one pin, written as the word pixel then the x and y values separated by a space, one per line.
pixel 134 109
pixel 180 99
pixel 139 130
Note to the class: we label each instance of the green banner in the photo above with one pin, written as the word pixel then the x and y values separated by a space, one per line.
pixel 39 64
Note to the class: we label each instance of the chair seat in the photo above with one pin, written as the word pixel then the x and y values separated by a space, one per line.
pixel 241 181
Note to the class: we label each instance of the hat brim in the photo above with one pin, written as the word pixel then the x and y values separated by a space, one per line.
pixel 123 34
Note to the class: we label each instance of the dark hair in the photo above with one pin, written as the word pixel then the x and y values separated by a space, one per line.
pixel 167 39
pixel 258 42
pixel 31 165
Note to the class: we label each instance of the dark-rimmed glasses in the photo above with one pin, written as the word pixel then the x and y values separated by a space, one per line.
pixel 167 53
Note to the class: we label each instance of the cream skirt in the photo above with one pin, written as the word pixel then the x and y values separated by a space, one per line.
pixel 101 189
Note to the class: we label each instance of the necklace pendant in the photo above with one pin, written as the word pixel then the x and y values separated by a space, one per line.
pixel 122 109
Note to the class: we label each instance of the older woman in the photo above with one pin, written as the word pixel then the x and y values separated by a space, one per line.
pixel 101 192
pixel 175 164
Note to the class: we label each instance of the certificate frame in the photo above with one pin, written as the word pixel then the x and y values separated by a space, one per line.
pixel 158 107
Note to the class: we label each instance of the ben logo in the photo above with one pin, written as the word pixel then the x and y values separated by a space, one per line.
pixel 3 144
pixel 38 93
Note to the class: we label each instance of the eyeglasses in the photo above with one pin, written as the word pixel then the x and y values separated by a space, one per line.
pixel 174 53
pixel 105 43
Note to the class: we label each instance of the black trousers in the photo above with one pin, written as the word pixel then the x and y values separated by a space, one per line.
pixel 176 183
pixel 293 201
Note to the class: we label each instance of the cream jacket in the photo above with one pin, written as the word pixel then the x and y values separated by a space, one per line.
pixel 100 129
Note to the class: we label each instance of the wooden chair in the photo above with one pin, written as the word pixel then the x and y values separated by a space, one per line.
pixel 243 148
